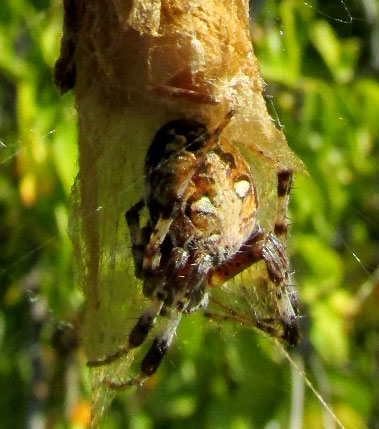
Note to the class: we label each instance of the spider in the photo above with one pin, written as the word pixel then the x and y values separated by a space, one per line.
pixel 202 230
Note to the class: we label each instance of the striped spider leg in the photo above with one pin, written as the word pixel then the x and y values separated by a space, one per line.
pixel 202 231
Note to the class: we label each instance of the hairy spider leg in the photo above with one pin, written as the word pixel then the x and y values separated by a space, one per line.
pixel 187 296
pixel 229 315
pixel 198 269
pixel 137 336
pixel 161 343
pixel 183 271
pixel 138 236
pixel 277 268
pixel 154 356
pixel 152 254
pixel 148 318
pixel 194 96
pixel 287 305
pixel 263 247
pixel 284 189
pixel 249 253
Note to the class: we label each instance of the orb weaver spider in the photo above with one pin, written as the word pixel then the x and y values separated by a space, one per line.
pixel 202 230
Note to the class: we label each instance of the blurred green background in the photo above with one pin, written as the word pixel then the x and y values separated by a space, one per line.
pixel 321 61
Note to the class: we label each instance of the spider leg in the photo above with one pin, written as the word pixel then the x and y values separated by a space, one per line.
pixel 188 86
pixel 265 325
pixel 161 343
pixel 265 247
pixel 138 235
pixel 189 94
pixel 249 253
pixel 146 321
pixel 229 315
pixel 155 354
pixel 201 264
pixel 277 262
pixel 284 189
pixel 137 336
pixel 277 268
pixel 185 281
pixel 152 256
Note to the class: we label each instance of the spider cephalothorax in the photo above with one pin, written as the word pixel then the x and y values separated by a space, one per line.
pixel 202 231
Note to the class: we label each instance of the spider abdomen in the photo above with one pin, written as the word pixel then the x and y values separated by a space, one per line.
pixel 219 205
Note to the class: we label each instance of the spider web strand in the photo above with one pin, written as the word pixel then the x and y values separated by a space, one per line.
pixel 308 383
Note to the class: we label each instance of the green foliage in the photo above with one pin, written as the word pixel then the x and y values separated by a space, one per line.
pixel 322 87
